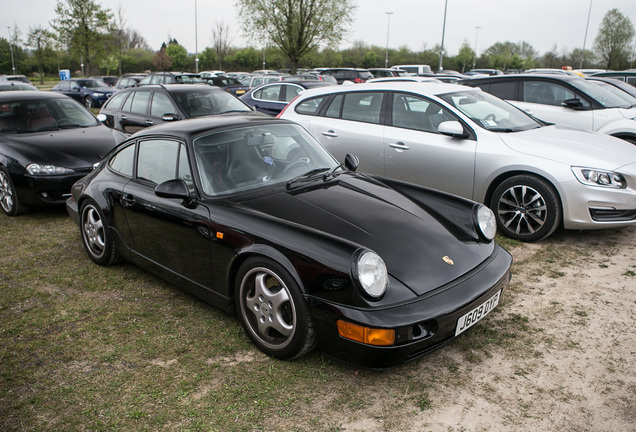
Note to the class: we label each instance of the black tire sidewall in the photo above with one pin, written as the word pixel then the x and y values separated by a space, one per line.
pixel 303 339
pixel 550 197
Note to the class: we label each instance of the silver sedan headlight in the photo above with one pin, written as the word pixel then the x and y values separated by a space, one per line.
pixel 596 177
pixel 370 273
pixel 38 169
pixel 485 221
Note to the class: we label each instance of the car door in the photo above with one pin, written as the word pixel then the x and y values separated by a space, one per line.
pixel 544 100
pixel 351 124
pixel 268 99
pixel 134 113
pixel 165 233
pixel 415 152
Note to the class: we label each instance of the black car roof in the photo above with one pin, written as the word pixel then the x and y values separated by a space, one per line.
pixel 556 77
pixel 173 88
pixel 189 127
pixel 29 95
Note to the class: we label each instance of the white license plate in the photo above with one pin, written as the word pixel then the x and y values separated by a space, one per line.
pixel 471 318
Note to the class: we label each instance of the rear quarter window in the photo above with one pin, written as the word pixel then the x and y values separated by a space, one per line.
pixel 310 106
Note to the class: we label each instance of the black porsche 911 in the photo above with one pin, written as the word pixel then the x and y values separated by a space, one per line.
pixel 48 141
pixel 251 214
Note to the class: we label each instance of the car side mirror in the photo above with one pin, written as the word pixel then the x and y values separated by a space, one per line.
pixel 572 103
pixel 175 189
pixel 351 162
pixel 102 118
pixel 170 117
pixel 452 128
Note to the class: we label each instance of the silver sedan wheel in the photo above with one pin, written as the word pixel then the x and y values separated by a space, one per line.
pixel 267 308
pixel 522 210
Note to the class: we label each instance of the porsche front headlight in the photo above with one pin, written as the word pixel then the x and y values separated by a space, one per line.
pixel 38 169
pixel 371 273
pixel 486 222
pixel 596 177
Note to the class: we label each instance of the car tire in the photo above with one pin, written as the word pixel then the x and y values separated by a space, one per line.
pixel 272 310
pixel 96 236
pixel 88 102
pixel 527 208
pixel 9 200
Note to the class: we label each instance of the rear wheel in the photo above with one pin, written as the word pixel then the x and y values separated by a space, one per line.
pixel 8 196
pixel 96 235
pixel 527 208
pixel 272 310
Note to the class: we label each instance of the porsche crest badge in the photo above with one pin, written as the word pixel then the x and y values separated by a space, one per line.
pixel 448 260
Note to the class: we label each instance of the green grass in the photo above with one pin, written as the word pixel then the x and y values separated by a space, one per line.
pixel 83 347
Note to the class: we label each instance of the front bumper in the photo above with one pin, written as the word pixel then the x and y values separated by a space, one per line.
pixel 46 190
pixel 421 326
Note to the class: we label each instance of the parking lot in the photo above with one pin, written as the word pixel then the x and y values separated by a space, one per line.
pixel 91 348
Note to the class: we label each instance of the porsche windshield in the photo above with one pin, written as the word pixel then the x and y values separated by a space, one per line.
pixel 24 116
pixel 249 157
pixel 490 112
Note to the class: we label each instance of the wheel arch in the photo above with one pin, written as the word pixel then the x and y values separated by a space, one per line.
pixel 629 137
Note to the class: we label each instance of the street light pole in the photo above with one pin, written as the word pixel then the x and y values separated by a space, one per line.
pixel 11 47
pixel 441 50
pixel 585 38
pixel 388 26
pixel 196 46
pixel 476 36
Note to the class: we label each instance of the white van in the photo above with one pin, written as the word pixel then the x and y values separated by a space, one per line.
pixel 414 69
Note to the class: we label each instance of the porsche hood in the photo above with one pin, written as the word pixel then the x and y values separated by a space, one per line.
pixel 417 245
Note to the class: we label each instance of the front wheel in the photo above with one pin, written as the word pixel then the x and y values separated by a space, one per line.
pixel 8 196
pixel 88 102
pixel 96 236
pixel 272 310
pixel 527 208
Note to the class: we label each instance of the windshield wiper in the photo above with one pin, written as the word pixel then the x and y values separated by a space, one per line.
pixel 235 111
pixel 306 176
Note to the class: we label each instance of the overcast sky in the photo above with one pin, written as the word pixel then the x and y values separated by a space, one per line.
pixel 417 24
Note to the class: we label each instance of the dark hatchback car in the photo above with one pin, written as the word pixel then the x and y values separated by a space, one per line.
pixel 251 214
pixel 128 80
pixel 228 84
pixel 135 108
pixel 272 98
pixel 354 75
pixel 90 92
pixel 172 78
pixel 47 142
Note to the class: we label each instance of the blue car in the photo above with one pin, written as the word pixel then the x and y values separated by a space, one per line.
pixel 273 97
pixel 89 91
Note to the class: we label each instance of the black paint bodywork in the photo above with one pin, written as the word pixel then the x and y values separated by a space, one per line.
pixel 314 231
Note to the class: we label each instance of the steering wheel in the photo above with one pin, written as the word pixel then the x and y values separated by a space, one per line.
pixel 295 164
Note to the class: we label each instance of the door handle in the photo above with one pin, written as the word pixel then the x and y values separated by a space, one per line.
pixel 127 200
pixel 330 133
pixel 123 117
pixel 149 122
pixel 399 146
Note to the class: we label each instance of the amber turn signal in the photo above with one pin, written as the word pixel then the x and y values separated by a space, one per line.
pixel 366 335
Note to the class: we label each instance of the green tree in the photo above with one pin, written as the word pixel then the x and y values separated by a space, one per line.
pixel 246 59
pixel 614 39
pixel 82 26
pixel 178 55
pixel 162 61
pixel 207 59
pixel 39 40
pixel 297 26
pixel 465 58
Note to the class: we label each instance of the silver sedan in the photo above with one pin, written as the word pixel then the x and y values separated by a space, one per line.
pixel 535 177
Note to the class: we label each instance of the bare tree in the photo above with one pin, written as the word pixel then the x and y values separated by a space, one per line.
pixel 221 42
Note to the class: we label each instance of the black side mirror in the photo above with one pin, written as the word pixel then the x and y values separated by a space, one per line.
pixel 351 162
pixel 177 189
pixel 572 103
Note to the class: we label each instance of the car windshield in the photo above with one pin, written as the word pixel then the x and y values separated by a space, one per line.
pixel 490 112
pixel 250 157
pixel 92 83
pixel 35 115
pixel 203 103
pixel 603 96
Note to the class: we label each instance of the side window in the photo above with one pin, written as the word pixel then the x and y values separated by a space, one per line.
pixel 161 104
pixel 160 160
pixel 362 106
pixel 335 107
pixel 310 106
pixel 65 85
pixel 291 92
pixel 414 112
pixel 140 102
pixel 546 93
pixel 123 161
pixel 504 90
pixel 116 101
pixel 269 93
